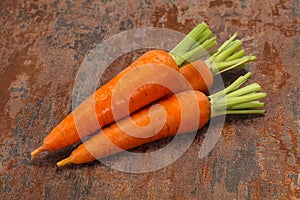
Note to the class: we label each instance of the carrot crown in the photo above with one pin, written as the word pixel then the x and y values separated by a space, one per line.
pixel 228 56
pixel 233 100
pixel 196 42
pixel 195 45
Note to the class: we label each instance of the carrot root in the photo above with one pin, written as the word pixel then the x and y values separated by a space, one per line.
pixel 37 151
pixel 64 162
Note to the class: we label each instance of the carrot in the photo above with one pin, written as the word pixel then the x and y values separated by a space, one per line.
pixel 83 117
pixel 97 110
pixel 179 111
pixel 113 139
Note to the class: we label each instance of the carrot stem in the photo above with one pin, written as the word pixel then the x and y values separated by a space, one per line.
pixel 235 85
pixel 218 62
pixel 239 112
pixel 197 42
pixel 205 46
pixel 236 55
pixel 227 65
pixel 232 100
pixel 225 44
pixel 254 87
pixel 235 45
pixel 206 34
pixel 228 57
pixel 189 40
pixel 252 104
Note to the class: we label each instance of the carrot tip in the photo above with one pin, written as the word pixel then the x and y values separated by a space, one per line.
pixel 64 162
pixel 37 151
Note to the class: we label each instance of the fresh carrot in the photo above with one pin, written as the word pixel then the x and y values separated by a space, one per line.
pixel 96 111
pixel 178 111
pixel 67 133
pixel 82 121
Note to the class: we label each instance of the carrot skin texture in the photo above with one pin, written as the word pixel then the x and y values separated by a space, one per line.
pixel 66 132
pixel 104 143
pixel 199 75
pixel 96 111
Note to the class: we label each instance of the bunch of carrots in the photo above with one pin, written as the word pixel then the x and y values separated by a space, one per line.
pixel 114 121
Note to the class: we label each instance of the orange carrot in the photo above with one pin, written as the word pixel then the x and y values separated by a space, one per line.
pixel 66 132
pixel 82 121
pixel 113 139
pixel 178 111
pixel 199 76
pixel 97 110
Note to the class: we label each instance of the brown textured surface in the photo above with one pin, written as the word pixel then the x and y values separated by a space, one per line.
pixel 42 45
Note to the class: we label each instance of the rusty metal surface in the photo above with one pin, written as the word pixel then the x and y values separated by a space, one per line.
pixel 42 45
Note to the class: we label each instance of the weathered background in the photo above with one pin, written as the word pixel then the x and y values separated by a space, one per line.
pixel 42 44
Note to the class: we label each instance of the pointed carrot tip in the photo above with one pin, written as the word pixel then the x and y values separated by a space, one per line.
pixel 37 151
pixel 64 162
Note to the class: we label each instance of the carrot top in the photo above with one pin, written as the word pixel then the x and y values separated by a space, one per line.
pixel 196 44
pixel 235 100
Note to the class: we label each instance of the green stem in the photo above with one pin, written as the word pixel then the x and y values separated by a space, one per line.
pixel 205 35
pixel 208 44
pixel 252 104
pixel 232 100
pixel 235 85
pixel 227 58
pixel 189 40
pixel 226 44
pixel 235 45
pixel 237 112
pixel 236 55
pixel 254 87
pixel 227 65
pixel 245 112
pixel 197 42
